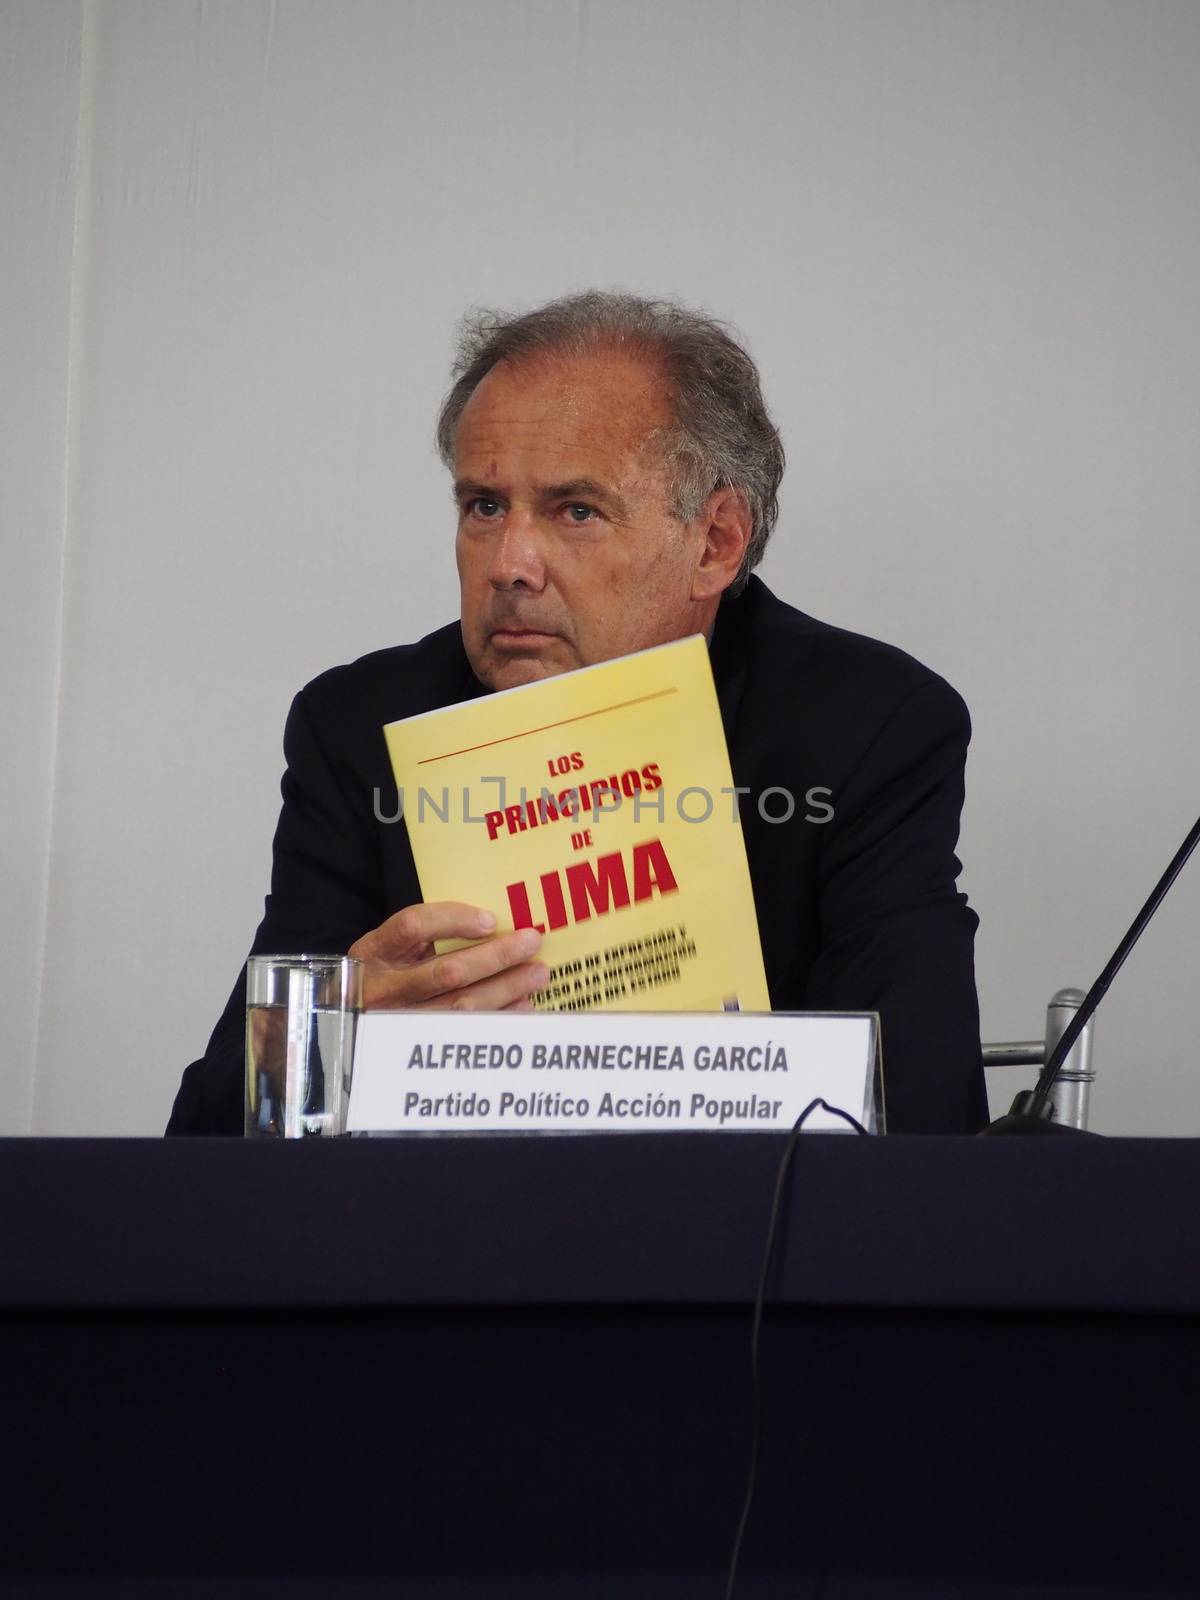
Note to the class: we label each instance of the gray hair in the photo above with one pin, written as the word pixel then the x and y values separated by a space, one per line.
pixel 721 435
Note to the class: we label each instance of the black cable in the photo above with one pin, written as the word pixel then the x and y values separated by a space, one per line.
pixel 1099 989
pixel 785 1162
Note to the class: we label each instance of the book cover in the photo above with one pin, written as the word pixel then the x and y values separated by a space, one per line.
pixel 599 807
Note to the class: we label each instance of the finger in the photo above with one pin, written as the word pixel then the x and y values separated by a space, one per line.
pixel 406 934
pixel 444 975
pixel 507 990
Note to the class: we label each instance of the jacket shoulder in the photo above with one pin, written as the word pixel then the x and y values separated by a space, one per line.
pixel 798 652
pixel 400 681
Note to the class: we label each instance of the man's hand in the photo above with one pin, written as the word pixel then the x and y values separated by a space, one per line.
pixel 401 968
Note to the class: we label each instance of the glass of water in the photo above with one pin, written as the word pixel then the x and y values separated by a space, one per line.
pixel 301 1013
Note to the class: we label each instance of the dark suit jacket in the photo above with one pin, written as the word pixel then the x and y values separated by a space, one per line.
pixel 858 913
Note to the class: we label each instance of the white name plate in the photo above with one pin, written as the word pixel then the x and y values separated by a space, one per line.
pixel 618 1072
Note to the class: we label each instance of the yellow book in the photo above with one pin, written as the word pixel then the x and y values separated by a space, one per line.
pixel 599 806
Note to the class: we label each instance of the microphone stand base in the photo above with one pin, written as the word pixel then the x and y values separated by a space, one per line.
pixel 1019 1123
pixel 1027 1116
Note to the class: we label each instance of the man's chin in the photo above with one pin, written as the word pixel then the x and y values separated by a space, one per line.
pixel 513 671
pixel 509 669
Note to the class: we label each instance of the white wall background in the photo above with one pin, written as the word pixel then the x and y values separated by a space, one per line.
pixel 961 236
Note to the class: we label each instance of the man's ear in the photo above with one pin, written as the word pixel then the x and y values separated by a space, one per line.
pixel 726 524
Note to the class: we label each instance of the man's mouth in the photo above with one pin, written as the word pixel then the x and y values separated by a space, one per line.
pixel 514 637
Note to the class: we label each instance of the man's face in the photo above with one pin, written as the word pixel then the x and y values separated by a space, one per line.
pixel 567 549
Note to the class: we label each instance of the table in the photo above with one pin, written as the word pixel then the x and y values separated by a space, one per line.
pixel 467 1367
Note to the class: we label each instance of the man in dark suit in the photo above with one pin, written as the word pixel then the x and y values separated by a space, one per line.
pixel 616 475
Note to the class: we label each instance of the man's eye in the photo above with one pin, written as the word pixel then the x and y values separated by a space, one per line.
pixel 579 514
pixel 481 507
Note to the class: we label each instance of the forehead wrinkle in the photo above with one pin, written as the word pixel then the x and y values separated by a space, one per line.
pixel 603 419
pixel 567 383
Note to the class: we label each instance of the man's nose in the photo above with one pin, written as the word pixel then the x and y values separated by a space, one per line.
pixel 516 557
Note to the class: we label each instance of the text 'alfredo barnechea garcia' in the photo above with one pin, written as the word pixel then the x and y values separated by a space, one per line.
pixel 592 1057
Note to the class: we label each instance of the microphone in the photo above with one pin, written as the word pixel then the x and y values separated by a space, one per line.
pixel 1032 1111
